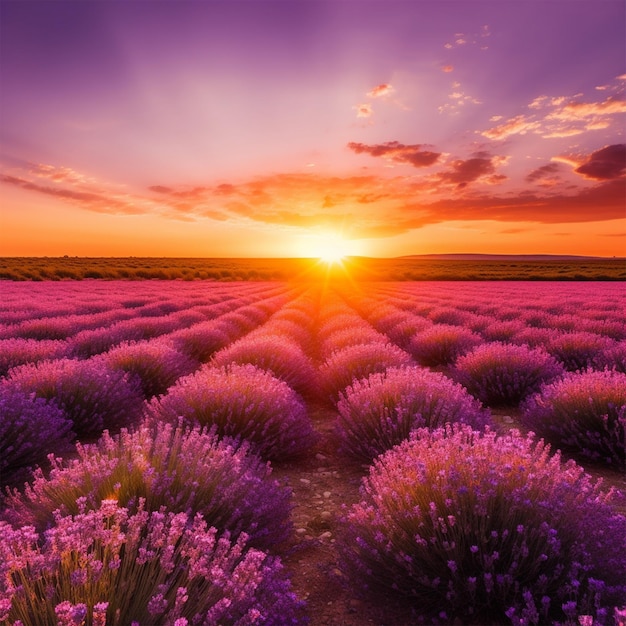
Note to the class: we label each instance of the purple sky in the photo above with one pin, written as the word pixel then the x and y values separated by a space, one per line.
pixel 262 128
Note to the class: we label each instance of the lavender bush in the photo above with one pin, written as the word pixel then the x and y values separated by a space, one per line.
pixel 381 411
pixel 241 401
pixel 155 363
pixel 502 374
pixel 90 394
pixel 18 351
pixel 200 341
pixel 276 354
pixel 182 469
pixel 477 529
pixel 110 566
pixel 345 366
pixel 441 344
pixel 584 414
pixel 578 350
pixel 30 429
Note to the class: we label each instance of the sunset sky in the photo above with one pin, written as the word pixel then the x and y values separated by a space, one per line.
pixel 278 128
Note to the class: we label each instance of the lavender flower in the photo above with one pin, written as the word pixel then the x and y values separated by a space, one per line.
pixel 283 358
pixel 241 401
pixel 18 351
pixel 503 374
pixel 345 366
pixel 110 565
pixel 200 341
pixel 583 414
pixel 381 411
pixel 578 350
pixel 487 529
pixel 30 429
pixel 183 469
pixel 156 364
pixel 90 394
pixel 442 344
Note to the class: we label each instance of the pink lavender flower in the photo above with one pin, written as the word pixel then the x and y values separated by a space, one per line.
pixel 578 350
pixel 381 411
pixel 30 429
pixel 583 414
pixel 155 363
pixel 281 357
pixel 18 351
pixel 200 341
pixel 345 366
pixel 244 402
pixel 183 469
pixel 503 374
pixel 442 344
pixel 140 568
pixel 485 529
pixel 90 394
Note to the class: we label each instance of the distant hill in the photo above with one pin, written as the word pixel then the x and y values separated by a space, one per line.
pixel 503 257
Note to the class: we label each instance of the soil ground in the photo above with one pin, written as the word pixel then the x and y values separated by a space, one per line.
pixel 324 483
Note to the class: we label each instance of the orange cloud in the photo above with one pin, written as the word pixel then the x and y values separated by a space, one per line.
pixel 400 153
pixel 363 110
pixel 519 125
pixel 380 90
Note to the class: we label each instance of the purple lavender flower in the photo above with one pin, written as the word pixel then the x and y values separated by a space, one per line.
pixel 501 374
pixel 155 363
pixel 200 341
pixel 18 351
pixel 442 344
pixel 140 568
pixel 90 394
pixel 485 528
pixel 583 414
pixel 30 429
pixel 241 401
pixel 183 469
pixel 381 411
pixel 281 357
pixel 346 366
pixel 578 350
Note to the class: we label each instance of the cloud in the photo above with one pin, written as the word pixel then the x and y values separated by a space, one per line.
pixel 581 111
pixel 93 201
pixel 458 98
pixel 447 69
pixel 399 153
pixel 546 175
pixel 463 172
pixel 519 125
pixel 380 90
pixel 560 116
pixel 363 110
pixel 605 164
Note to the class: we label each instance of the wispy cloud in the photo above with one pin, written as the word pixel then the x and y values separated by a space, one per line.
pixel 560 116
pixel 363 110
pixel 381 90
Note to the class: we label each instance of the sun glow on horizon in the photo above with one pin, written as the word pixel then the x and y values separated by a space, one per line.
pixel 329 247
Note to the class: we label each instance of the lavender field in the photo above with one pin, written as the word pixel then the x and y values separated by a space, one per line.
pixel 185 453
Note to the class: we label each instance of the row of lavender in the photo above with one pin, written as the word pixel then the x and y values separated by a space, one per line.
pixel 460 524
pixel 318 345
pixel 165 522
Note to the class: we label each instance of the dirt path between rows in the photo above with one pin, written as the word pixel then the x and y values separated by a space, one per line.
pixel 324 482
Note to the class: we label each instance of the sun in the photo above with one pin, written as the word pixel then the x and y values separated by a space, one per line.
pixel 331 249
